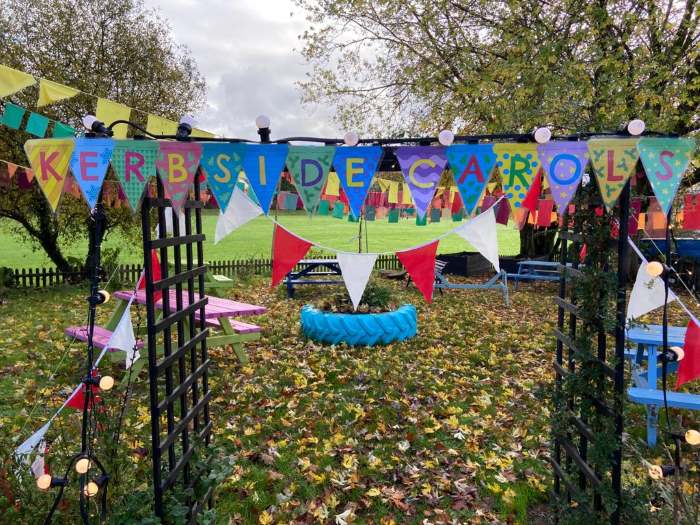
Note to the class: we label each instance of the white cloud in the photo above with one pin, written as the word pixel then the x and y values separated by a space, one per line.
pixel 248 52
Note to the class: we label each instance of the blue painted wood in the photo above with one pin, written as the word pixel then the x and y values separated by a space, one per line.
pixel 442 282
pixel 652 335
pixel 654 396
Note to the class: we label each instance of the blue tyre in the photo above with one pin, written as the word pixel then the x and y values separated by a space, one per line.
pixel 359 329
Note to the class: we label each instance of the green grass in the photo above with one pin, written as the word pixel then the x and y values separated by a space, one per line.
pixel 255 239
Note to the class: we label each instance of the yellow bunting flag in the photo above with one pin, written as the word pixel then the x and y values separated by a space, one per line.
pixel 614 161
pixel 50 92
pixel 49 158
pixel 108 112
pixel 333 184
pixel 517 164
pixel 393 192
pixel 406 195
pixel 383 184
pixel 12 81
pixel 491 186
pixel 200 133
pixel 160 126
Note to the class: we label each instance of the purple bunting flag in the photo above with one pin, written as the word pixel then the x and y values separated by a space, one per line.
pixel 422 167
pixel 564 163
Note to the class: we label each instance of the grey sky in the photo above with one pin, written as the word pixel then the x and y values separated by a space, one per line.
pixel 248 51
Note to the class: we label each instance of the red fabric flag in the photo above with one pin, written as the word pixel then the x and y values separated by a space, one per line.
pixel 11 169
pixel 689 366
pixel 420 265
pixel 544 212
pixel 457 203
pixel 155 264
pixel 691 212
pixel 287 250
pixel 533 195
pixel 77 400
pixel 582 254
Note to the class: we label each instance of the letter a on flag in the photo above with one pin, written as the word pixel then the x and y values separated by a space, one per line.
pixel 222 163
pixel 134 162
pixel 614 162
pixel 89 164
pixel 665 160
pixel 49 159
pixel 177 163
pixel 422 167
pixel 263 165
pixel 356 166
pixel 471 165
pixel 309 166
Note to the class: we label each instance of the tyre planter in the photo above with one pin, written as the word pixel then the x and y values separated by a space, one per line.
pixel 359 329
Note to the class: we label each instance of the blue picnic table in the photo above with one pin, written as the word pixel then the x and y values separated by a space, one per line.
pixel 309 268
pixel 535 270
pixel 648 340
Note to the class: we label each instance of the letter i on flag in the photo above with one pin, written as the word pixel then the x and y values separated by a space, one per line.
pixel 356 269
pixel 134 163
pixel 177 163
pixel 89 164
pixel 420 265
pixel 263 165
pixel 49 159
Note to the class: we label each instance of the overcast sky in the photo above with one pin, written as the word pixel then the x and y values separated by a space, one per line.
pixel 248 51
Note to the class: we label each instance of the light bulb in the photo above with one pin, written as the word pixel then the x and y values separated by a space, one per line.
pixel 680 353
pixel 542 135
pixel 692 437
pixel 351 138
pixel 636 127
pixel 106 383
pixel 88 121
pixel 91 489
pixel 656 472
pixel 655 269
pixel 446 137
pixel 188 119
pixel 43 481
pixel 104 296
pixel 262 121
pixel 82 465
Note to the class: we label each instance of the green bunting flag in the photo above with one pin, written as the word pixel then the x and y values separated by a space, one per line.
pixel 309 166
pixel 134 163
pixel 614 162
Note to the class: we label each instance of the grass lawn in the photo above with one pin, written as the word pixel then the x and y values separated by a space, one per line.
pixel 449 427
pixel 255 239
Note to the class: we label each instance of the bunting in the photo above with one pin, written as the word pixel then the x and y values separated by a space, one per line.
pixel 356 269
pixel 356 166
pixel 177 163
pixel 647 294
pixel 614 162
pixel 12 81
pixel 689 366
pixel 420 265
pixel 480 232
pixel 287 250
pixel 89 164
pixel 564 164
pixel 134 163
pixel 222 162
pixel 240 211
pixel 422 167
pixel 263 165
pixel 50 92
pixel 309 166
pixel 49 159
pixel 472 165
pixel 109 112
pixel 517 164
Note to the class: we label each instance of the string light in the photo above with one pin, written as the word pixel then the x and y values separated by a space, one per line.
pixel 542 135
pixel 104 296
pixel 692 437
pixel 82 465
pixel 44 481
pixel 657 472
pixel 351 138
pixel 655 269
pixel 446 137
pixel 106 383
pixel 91 489
pixel 262 121
pixel 636 127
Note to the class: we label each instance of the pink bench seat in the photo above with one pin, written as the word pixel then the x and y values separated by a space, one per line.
pixel 238 326
pixel 100 336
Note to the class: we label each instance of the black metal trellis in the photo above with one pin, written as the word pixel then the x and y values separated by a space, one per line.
pixel 177 345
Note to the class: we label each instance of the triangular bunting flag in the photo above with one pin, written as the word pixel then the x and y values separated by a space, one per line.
pixel 89 164
pixel 533 194
pixel 564 163
pixel 689 366
pixel 647 294
pixel 422 167
pixel 77 398
pixel 177 163
pixel 222 162
pixel 134 162
pixel 108 112
pixel 239 211
pixel 420 265
pixel 38 467
pixel 356 269
pixel 480 232
pixel 123 338
pixel 309 166
pixel 156 125
pixel 472 165
pixel 157 274
pixel 49 159
pixel 356 166
pixel 50 92
pixel 614 162
pixel 517 164
pixel 287 250
pixel 29 444
pixel 11 169
pixel 263 165
pixel 12 81
pixel 665 160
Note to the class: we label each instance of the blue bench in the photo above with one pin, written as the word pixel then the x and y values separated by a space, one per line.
pixel 313 268
pixel 442 282
pixel 535 270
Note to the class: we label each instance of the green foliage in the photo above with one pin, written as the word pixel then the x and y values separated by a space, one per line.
pixel 376 298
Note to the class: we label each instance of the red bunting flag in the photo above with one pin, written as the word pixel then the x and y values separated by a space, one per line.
pixel 689 366
pixel 545 207
pixel 533 195
pixel 420 265
pixel 287 250
pixel 77 399
pixel 691 212
pixel 155 264
pixel 11 169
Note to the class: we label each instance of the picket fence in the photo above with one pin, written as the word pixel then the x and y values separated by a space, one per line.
pixel 129 273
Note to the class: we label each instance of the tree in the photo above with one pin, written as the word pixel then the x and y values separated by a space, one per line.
pixel 488 66
pixel 116 49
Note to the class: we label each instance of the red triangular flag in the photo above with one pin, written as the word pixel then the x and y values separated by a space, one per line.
pixel 155 265
pixel 11 169
pixel 533 195
pixel 287 250
pixel 77 399
pixel 689 366
pixel 420 265
pixel 545 207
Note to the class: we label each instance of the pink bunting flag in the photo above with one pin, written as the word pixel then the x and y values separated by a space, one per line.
pixel 177 164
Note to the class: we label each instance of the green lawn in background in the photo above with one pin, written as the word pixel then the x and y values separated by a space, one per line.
pixel 255 239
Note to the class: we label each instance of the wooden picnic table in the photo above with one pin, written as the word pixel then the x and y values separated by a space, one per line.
pixel 313 268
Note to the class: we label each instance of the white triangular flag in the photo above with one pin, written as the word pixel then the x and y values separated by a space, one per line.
pixel 38 465
pixel 123 338
pixel 240 210
pixel 32 441
pixel 480 232
pixel 356 269
pixel 647 294
pixel 169 213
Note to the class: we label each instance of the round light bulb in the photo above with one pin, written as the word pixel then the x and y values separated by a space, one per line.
pixel 351 138
pixel 680 353
pixel 188 119
pixel 262 121
pixel 692 437
pixel 88 121
pixel 655 269
pixel 542 135
pixel 105 296
pixel 82 465
pixel 656 472
pixel 44 481
pixel 106 383
pixel 91 489
pixel 446 137
pixel 636 127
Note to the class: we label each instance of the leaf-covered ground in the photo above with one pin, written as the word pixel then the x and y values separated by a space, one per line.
pixel 449 427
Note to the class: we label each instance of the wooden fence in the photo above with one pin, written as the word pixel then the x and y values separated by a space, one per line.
pixel 129 273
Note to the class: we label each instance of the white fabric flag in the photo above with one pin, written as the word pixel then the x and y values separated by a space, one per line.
pixel 37 467
pixel 356 269
pixel 647 294
pixel 123 337
pixel 32 441
pixel 239 211
pixel 169 213
pixel 480 232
